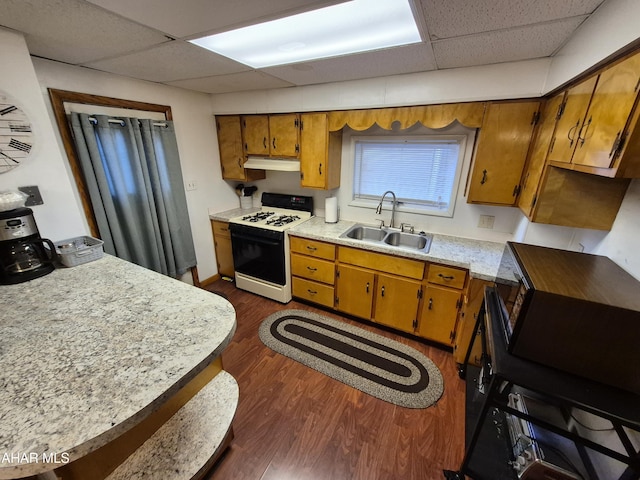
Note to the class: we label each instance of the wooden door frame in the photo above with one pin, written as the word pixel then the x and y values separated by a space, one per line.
pixel 58 100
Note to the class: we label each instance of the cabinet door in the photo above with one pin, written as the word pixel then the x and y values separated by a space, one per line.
pixel 230 146
pixel 231 150
pixel 568 125
pixel 222 243
pixel 285 135
pixel 439 314
pixel 355 288
pixel 503 143
pixel 314 142
pixel 255 129
pixel 538 153
pixel 397 302
pixel 610 107
pixel 465 329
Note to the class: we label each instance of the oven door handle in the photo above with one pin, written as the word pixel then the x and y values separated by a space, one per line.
pixel 256 239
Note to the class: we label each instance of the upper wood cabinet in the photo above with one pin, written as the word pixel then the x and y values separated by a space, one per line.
pixel 255 129
pixel 272 135
pixel 231 150
pixel 284 131
pixel 597 121
pixel 538 153
pixel 320 152
pixel 503 142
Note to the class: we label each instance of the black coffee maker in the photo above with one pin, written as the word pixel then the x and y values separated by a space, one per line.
pixel 23 254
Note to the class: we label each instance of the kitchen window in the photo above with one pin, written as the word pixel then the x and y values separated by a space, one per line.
pixel 423 171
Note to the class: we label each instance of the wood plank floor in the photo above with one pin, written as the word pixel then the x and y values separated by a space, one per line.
pixel 294 423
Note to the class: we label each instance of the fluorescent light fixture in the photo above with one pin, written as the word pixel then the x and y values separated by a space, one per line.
pixel 349 27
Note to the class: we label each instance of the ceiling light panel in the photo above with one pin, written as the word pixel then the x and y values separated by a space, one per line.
pixel 350 27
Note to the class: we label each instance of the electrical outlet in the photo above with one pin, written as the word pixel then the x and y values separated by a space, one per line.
pixel 192 185
pixel 34 195
pixel 486 221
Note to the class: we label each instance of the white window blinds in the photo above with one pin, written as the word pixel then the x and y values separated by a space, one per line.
pixel 419 172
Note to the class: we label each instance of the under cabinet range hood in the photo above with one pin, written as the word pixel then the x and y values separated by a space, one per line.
pixel 268 163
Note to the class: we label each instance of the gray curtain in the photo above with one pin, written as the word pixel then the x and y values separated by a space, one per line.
pixel 132 170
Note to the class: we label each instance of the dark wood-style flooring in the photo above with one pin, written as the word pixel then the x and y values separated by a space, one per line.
pixel 294 423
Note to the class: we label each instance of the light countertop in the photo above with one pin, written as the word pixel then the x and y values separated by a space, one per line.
pixel 481 258
pixel 88 352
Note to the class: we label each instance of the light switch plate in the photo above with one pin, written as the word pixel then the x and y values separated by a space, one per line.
pixel 486 221
pixel 34 195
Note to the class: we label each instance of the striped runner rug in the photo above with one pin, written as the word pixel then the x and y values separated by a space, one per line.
pixel 371 363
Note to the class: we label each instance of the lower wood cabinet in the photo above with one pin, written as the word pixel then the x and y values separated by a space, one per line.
pixel 313 271
pixel 222 244
pixel 439 315
pixel 397 301
pixel 355 291
pixel 413 296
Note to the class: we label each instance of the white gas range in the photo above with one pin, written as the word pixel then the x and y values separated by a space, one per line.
pixel 261 246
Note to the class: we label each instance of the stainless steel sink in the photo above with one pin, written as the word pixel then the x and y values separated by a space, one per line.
pixel 385 236
pixel 361 232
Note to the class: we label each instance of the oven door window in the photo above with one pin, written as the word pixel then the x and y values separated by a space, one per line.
pixel 258 253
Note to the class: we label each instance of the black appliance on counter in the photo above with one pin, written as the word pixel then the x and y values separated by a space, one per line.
pixel 577 312
pixel 24 255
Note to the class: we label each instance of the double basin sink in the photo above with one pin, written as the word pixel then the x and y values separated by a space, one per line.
pixel 386 236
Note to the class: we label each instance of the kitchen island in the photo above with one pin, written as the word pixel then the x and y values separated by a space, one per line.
pixel 90 352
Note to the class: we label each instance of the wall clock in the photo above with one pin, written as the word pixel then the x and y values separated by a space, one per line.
pixel 16 134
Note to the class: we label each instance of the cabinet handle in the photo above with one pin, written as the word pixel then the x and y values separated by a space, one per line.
pixel 616 143
pixel 311 292
pixel 382 291
pixel 484 177
pixel 320 169
pixel 569 132
pixel 586 129
pixel 240 162
pixel 274 143
pixel 311 269
pixel 446 277
pixel 264 142
pixel 311 248
pixel 430 303
pixel 367 289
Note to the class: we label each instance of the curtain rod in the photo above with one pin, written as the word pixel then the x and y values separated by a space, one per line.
pixel 94 120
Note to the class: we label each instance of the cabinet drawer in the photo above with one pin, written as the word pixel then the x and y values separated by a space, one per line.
pixel 313 248
pixel 312 291
pixel 449 276
pixel 381 262
pixel 312 268
pixel 220 229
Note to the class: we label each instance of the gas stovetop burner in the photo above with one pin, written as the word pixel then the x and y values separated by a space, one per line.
pixel 257 217
pixel 281 220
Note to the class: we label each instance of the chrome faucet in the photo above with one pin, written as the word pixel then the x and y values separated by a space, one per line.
pixel 393 207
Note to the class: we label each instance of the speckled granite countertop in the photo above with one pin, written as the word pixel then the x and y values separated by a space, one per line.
pixel 87 352
pixel 480 257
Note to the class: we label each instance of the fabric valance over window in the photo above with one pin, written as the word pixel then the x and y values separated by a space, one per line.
pixel 431 116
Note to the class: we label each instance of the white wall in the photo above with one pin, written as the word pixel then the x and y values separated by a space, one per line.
pixel 61 216
pixel 613 27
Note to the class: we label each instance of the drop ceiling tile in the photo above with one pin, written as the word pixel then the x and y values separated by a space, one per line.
pixel 176 60
pixel 74 31
pixel 451 18
pixel 534 41
pixel 186 18
pixel 236 82
pixel 392 61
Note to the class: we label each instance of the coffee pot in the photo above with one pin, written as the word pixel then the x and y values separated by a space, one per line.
pixel 24 255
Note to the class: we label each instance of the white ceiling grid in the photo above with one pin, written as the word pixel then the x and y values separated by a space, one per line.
pixel 147 39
